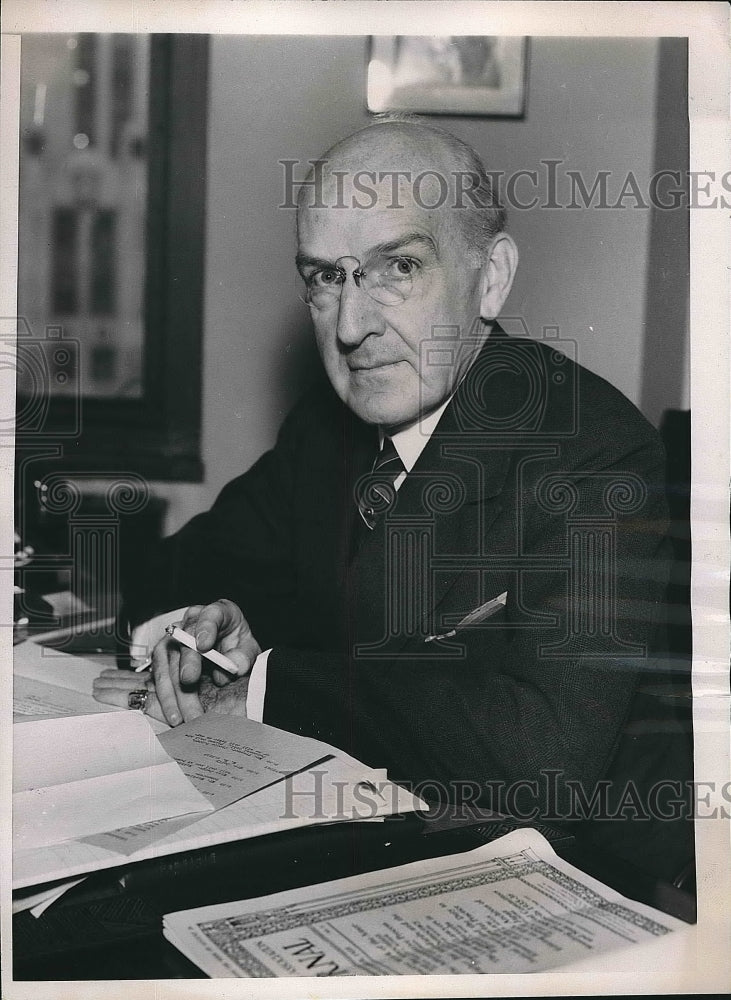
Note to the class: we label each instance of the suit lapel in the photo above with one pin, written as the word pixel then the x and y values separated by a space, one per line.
pixel 422 563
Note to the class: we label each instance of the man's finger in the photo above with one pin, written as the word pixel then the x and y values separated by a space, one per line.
pixel 115 678
pixel 110 693
pixel 190 666
pixel 152 708
pixel 191 617
pixel 220 625
pixel 165 660
pixel 189 704
pixel 222 677
pixel 242 656
pixel 179 701
pixel 216 618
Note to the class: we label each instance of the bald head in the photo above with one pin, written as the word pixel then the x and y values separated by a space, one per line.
pixel 395 162
pixel 396 145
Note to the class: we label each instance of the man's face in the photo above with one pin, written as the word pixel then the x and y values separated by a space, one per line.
pixel 378 356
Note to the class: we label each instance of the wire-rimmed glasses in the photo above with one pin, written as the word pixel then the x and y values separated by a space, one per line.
pixel 386 278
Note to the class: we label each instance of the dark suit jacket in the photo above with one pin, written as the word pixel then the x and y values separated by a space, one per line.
pixel 541 481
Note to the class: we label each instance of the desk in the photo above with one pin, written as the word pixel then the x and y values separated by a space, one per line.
pixel 110 926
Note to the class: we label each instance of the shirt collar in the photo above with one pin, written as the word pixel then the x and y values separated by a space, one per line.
pixel 410 442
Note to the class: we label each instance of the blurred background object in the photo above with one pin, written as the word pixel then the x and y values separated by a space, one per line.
pixel 83 199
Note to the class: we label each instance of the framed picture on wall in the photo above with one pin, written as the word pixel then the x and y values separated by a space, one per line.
pixel 449 74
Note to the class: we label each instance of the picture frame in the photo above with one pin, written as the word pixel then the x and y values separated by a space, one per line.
pixel 450 74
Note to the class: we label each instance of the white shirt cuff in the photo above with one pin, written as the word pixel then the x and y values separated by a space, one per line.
pixel 257 688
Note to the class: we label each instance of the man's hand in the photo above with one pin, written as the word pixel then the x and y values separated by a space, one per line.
pixel 182 691
pixel 113 687
pixel 177 670
pixel 228 700
pixel 220 626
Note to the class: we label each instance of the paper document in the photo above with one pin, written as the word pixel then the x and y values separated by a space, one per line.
pixel 34 699
pixel 336 791
pixel 230 759
pixel 510 906
pixel 76 673
pixel 77 776
pixel 50 684
pixel 227 757
pixel 327 795
pixel 258 779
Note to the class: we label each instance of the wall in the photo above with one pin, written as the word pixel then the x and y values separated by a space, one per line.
pixel 591 105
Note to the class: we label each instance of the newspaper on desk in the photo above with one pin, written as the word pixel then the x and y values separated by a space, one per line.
pixel 510 906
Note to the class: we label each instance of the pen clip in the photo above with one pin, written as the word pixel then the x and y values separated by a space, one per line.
pixel 475 617
pixel 445 635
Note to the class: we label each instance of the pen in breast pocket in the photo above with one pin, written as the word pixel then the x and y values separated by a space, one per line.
pixel 188 640
pixel 475 617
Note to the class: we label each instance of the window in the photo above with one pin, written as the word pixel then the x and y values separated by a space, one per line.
pixel 111 223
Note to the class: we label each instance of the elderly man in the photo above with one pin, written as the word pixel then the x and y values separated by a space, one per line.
pixel 452 563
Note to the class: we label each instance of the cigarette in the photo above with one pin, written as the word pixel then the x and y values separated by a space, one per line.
pixel 213 655
pixel 188 640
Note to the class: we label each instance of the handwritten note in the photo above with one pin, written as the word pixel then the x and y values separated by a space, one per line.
pixel 227 757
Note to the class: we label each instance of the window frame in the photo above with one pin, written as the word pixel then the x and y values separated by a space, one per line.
pixel 157 436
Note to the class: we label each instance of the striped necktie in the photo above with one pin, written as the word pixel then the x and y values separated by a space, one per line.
pixel 380 491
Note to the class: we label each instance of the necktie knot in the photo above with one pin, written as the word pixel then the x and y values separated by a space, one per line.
pixel 388 461
pixel 380 490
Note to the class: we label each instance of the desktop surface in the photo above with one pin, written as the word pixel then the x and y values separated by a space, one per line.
pixel 110 926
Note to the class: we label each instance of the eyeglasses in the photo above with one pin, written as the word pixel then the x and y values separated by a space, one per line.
pixel 386 279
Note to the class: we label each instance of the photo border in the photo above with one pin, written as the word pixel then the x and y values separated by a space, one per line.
pixel 707 964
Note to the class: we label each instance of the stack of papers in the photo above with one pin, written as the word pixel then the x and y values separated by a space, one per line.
pixel 74 777
pixel 510 906
pixel 112 791
pixel 252 788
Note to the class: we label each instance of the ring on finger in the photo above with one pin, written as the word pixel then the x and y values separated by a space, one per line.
pixel 138 699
